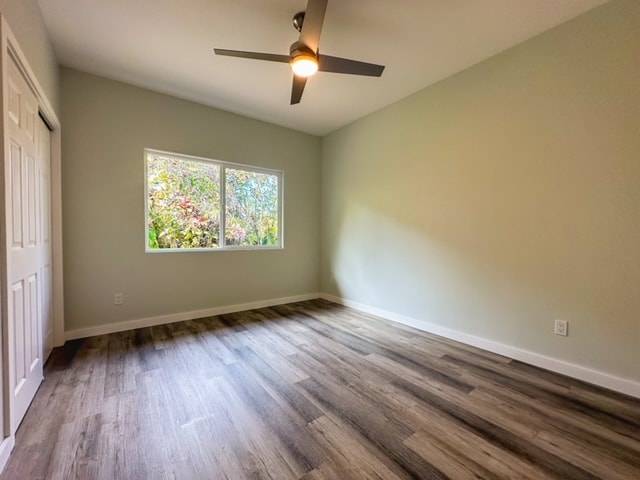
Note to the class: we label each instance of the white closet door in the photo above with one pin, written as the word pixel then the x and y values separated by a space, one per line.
pixel 25 259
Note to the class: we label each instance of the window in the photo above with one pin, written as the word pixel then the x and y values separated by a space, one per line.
pixel 196 203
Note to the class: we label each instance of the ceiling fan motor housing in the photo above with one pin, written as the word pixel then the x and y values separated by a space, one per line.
pixel 298 49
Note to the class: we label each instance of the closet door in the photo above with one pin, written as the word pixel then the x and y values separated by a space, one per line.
pixel 25 259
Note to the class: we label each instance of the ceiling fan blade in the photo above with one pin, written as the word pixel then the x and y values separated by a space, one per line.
pixel 327 63
pixel 297 89
pixel 270 57
pixel 312 24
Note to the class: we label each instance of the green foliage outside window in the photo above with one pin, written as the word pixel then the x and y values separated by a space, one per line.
pixel 184 204
pixel 251 208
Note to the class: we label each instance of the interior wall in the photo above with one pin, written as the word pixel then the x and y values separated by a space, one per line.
pixel 27 25
pixel 503 198
pixel 107 125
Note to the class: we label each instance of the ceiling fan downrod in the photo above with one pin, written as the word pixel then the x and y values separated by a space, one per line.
pixel 298 20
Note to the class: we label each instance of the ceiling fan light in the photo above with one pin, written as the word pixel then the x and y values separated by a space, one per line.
pixel 304 65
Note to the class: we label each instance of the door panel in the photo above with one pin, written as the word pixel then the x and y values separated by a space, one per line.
pixel 34 326
pixel 31 212
pixel 16 194
pixel 17 298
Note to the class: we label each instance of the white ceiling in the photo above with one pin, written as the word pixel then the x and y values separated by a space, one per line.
pixel 167 46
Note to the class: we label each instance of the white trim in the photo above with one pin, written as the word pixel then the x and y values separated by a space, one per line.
pixel 596 377
pixel 6 446
pixel 179 317
pixel 252 248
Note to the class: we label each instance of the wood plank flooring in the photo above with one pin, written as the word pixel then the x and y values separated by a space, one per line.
pixel 313 391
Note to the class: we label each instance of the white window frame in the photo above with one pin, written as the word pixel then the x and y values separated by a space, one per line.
pixel 221 241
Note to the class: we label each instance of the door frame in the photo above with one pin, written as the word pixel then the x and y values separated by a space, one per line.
pixel 11 51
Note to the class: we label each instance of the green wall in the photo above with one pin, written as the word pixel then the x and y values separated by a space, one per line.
pixel 503 198
pixel 107 125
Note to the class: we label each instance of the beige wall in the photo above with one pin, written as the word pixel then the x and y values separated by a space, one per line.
pixel 27 25
pixel 107 125
pixel 503 198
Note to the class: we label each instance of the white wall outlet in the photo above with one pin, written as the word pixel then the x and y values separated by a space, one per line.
pixel 561 328
pixel 118 298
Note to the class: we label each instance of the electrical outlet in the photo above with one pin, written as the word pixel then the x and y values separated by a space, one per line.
pixel 561 328
pixel 118 298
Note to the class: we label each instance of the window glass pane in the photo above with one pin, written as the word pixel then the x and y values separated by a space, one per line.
pixel 251 208
pixel 183 202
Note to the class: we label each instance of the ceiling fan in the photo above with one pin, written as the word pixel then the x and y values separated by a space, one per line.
pixel 304 57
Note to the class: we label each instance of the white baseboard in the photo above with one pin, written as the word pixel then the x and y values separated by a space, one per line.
pixel 179 317
pixel 606 380
pixel 6 446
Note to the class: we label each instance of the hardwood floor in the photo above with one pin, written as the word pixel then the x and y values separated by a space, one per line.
pixel 313 391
